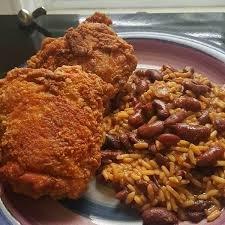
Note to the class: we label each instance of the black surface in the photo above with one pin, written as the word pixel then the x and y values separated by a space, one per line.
pixel 17 44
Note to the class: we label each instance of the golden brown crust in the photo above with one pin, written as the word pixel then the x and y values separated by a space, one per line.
pixel 94 46
pixel 98 17
pixel 51 130
pixel 46 41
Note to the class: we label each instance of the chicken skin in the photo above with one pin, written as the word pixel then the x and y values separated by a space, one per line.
pixel 94 46
pixel 50 130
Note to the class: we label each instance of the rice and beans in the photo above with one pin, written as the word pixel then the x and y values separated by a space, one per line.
pixel 163 151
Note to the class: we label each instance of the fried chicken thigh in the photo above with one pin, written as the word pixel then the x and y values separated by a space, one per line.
pixel 51 130
pixel 94 46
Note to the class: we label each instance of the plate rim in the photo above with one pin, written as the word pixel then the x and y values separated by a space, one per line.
pixel 203 46
pixel 6 217
pixel 185 40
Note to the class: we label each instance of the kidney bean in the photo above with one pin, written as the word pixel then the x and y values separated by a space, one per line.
pixel 111 142
pixel 168 139
pixel 194 189
pixel 197 89
pixel 134 101
pixel 161 159
pixel 106 161
pixel 196 212
pixel 176 118
pixel 125 142
pixel 150 130
pixel 153 75
pixel 219 125
pixel 133 137
pixel 140 72
pixel 222 201
pixel 181 173
pixel 121 195
pixel 136 120
pixel 181 215
pixel 211 156
pixel 137 106
pixel 116 101
pixel 193 174
pixel 117 187
pixel 200 206
pixel 161 109
pixel 152 149
pixel 204 171
pixel 204 118
pixel 158 216
pixel 195 217
pixel 141 86
pixel 110 155
pixel 143 185
pixel 146 107
pixel 188 103
pixel 191 133
pixel 146 110
pixel 100 178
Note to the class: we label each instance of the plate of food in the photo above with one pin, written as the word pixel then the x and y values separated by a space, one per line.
pixel 100 128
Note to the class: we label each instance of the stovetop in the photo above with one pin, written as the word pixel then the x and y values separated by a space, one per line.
pixel 18 43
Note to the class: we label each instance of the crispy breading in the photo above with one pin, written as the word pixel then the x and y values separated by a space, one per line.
pixel 98 17
pixel 51 130
pixel 94 46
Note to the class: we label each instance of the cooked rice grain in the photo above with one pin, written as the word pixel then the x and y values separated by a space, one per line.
pixel 168 185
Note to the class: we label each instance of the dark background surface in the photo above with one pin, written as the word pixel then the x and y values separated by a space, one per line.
pixel 17 44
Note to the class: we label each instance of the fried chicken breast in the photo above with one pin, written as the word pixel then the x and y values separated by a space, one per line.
pixel 50 130
pixel 94 46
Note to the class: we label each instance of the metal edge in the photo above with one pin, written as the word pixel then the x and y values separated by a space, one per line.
pixel 205 47
pixel 6 218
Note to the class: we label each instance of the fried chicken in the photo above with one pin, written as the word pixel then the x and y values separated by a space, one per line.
pixel 51 130
pixel 94 46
